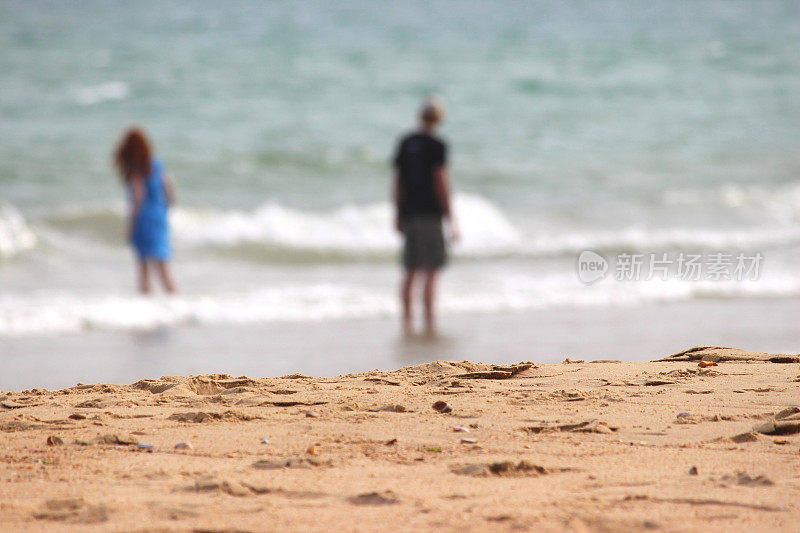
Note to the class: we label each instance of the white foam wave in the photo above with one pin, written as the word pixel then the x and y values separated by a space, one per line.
pixel 43 314
pixel 112 90
pixel 15 235
pixel 352 229
pixel 485 231
pixel 274 231
pixel 38 314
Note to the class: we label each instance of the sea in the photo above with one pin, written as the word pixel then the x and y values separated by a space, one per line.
pixel 591 143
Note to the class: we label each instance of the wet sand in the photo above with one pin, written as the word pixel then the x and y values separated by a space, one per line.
pixel 586 446
pixel 329 348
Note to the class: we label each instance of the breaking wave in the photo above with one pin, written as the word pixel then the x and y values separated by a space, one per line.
pixel 274 232
pixel 15 235
pixel 351 229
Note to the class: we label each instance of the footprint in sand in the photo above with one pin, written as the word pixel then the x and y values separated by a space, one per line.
pixel 73 510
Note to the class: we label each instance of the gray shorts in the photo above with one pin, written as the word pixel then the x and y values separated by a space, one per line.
pixel 424 247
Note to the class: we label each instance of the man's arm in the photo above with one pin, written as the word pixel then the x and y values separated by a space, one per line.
pixel 397 197
pixel 443 191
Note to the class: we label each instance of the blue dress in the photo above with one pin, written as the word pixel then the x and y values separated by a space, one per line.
pixel 151 232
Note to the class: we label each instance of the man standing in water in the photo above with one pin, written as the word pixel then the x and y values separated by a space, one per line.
pixel 422 199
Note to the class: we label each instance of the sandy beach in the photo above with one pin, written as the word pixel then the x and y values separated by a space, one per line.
pixel 400 266
pixel 673 445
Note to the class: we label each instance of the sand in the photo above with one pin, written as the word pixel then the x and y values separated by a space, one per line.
pixel 581 446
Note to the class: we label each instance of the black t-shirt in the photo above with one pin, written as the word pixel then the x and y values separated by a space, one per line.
pixel 418 156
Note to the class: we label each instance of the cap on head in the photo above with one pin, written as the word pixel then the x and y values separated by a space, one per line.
pixel 432 110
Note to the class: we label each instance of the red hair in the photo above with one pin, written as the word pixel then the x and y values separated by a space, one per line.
pixel 133 155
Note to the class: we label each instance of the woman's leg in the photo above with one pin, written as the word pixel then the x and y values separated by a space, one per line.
pixel 166 277
pixel 143 275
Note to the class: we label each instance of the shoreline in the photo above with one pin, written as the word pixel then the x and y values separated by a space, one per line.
pixel 596 446
pixel 342 346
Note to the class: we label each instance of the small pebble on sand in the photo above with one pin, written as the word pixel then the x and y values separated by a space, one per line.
pixel 442 407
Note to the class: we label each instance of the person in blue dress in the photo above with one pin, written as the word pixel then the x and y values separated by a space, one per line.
pixel 150 194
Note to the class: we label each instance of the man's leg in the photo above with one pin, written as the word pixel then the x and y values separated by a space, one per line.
pixel 166 277
pixel 144 276
pixel 431 276
pixel 406 295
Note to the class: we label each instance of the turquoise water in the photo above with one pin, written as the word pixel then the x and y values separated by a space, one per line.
pixel 615 126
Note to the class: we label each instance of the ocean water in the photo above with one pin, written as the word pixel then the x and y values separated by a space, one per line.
pixel 615 126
